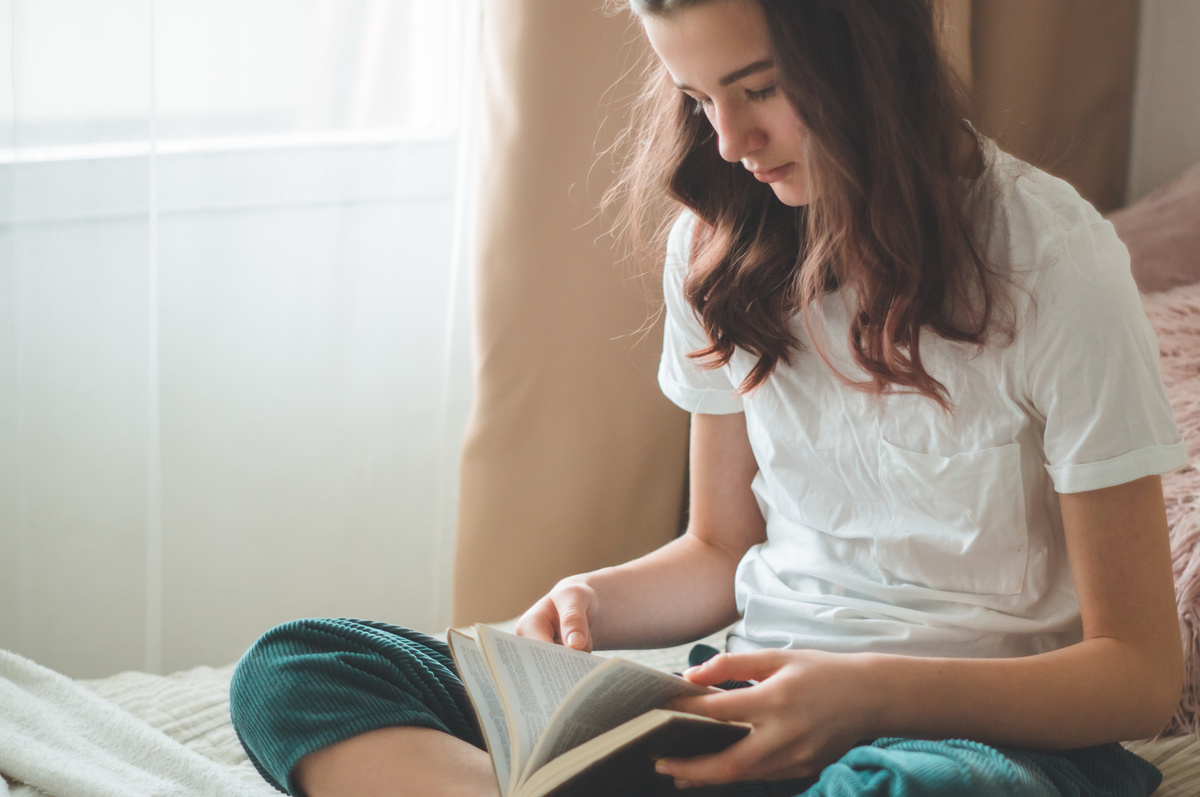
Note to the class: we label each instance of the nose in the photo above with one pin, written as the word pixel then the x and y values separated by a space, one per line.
pixel 738 133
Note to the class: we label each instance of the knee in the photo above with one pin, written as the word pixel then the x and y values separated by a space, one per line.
pixel 308 660
pixel 260 666
pixel 309 683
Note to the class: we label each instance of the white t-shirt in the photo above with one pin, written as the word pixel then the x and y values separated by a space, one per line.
pixel 895 527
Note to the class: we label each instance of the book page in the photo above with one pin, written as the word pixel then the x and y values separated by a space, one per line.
pixel 615 693
pixel 472 669
pixel 532 678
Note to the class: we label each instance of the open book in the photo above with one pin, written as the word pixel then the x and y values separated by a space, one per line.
pixel 562 722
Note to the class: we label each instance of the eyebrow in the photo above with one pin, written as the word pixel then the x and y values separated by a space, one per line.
pixel 737 74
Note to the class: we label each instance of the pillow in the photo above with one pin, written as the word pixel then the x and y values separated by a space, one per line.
pixel 1162 231
pixel 1175 316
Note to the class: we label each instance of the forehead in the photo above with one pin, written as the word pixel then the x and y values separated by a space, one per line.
pixel 702 43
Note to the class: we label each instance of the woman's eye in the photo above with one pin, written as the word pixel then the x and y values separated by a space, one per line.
pixel 701 105
pixel 762 94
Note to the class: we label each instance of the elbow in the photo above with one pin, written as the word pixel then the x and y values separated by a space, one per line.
pixel 1157 716
pixel 1163 690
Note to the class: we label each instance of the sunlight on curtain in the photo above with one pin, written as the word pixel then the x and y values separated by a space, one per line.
pixel 232 344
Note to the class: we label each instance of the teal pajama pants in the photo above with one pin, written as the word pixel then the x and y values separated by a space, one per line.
pixel 308 684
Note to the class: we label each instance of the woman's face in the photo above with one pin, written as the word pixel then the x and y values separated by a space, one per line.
pixel 719 54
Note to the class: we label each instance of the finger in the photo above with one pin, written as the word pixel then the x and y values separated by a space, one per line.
pixel 728 766
pixel 538 622
pixel 756 665
pixel 785 765
pixel 734 706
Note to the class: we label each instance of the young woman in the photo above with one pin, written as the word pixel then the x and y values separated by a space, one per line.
pixel 926 437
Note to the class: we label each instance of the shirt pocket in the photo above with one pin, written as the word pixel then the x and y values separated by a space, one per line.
pixel 957 523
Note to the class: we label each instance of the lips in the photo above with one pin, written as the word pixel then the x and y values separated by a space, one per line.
pixel 771 175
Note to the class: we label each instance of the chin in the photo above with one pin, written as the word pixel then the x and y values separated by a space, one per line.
pixel 790 195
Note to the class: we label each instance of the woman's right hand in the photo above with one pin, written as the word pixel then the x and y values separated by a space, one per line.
pixel 683 590
pixel 566 615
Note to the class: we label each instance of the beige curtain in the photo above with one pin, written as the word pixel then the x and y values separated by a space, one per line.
pixel 1052 81
pixel 573 460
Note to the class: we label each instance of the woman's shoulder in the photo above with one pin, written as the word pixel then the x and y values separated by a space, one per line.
pixel 1035 204
pixel 1069 269
pixel 679 240
pixel 679 248
pixel 1040 225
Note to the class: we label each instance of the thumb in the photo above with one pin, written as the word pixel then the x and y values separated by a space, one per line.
pixel 573 627
pixel 573 603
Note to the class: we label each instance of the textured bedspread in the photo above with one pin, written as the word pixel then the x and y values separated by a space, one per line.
pixel 163 736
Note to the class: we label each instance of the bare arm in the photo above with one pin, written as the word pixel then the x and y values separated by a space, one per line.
pixel 1121 682
pixel 683 590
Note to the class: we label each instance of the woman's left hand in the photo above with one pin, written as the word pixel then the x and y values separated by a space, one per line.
pixel 807 709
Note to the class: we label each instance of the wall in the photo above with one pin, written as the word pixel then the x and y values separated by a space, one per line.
pixel 1166 114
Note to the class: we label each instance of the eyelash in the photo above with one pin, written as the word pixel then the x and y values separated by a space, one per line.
pixel 758 95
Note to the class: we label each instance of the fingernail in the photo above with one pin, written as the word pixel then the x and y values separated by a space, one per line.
pixel 574 639
pixel 661 768
pixel 682 784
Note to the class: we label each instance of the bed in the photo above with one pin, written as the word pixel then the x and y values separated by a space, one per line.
pixel 141 734
pixel 170 736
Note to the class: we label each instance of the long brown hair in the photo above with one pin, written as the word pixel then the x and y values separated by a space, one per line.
pixel 895 222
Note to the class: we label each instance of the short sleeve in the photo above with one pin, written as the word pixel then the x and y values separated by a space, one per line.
pixel 1091 360
pixel 682 379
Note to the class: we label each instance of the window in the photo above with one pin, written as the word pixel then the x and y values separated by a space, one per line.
pixel 84 77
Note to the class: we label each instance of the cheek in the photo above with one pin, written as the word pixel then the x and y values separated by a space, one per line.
pixel 797 131
pixel 797 137
pixel 787 128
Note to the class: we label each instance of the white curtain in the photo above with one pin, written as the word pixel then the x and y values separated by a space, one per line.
pixel 233 355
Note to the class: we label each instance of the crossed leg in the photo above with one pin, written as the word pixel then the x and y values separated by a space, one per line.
pixel 397 762
pixel 327 707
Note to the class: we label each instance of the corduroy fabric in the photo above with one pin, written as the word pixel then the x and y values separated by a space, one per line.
pixel 951 768
pixel 311 683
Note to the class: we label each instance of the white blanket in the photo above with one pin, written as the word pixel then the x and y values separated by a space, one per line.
pixel 64 739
